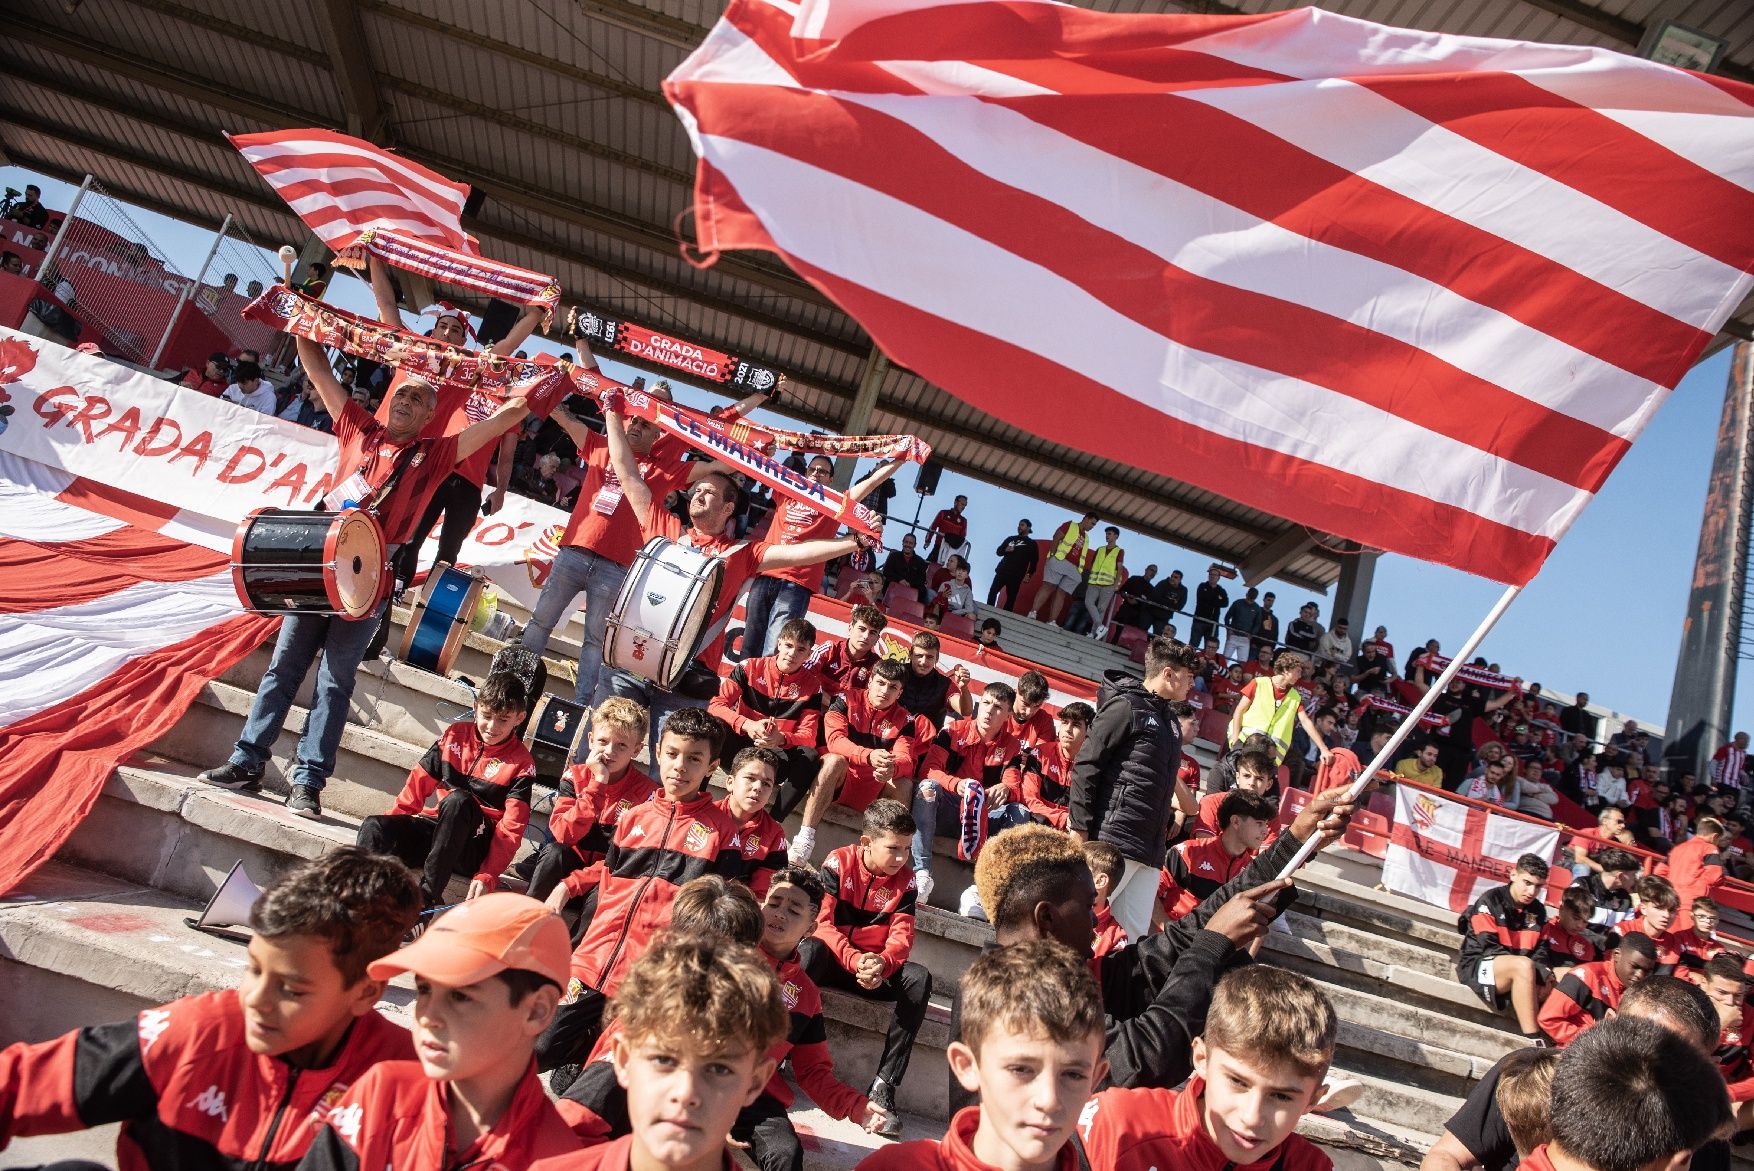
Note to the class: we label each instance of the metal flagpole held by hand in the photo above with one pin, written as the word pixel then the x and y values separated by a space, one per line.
pixel 1407 725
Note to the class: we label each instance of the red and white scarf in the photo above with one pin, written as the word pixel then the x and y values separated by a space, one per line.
pixel 508 282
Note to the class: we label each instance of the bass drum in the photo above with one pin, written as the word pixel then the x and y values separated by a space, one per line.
pixel 285 561
pixel 557 731
pixel 440 621
pixel 660 617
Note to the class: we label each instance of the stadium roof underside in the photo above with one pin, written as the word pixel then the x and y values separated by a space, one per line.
pixel 552 109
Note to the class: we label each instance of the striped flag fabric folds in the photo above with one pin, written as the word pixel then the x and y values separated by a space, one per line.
pixel 1422 291
pixel 340 186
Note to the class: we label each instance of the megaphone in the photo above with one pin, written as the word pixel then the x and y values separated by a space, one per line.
pixel 229 908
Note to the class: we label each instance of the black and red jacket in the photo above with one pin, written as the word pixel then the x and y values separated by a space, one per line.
pixel 864 912
pixel 1670 954
pixel 497 776
pixel 585 809
pixel 1733 1059
pixel 755 690
pixel 958 753
pixel 761 846
pixel 1559 948
pixel 1136 1129
pixel 1585 997
pixel 615 1156
pixel 1496 925
pixel 658 847
pixel 841 673
pixel 185 1086
pixel 1047 784
pixel 1036 731
pixel 1193 870
pixel 397 1117
pixel 806 1044
pixel 855 729
pixel 953 1152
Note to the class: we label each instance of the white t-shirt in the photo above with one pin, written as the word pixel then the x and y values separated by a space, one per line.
pixel 261 399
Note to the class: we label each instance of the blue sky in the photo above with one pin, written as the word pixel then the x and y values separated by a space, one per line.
pixel 1604 616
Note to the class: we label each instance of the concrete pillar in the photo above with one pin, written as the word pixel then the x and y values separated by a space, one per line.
pixel 858 420
pixel 1352 593
pixel 1705 668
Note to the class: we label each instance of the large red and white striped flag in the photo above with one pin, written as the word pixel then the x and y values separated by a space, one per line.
pixel 1419 290
pixel 340 186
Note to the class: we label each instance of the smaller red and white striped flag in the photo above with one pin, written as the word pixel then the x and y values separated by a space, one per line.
pixel 341 186
pixel 1447 853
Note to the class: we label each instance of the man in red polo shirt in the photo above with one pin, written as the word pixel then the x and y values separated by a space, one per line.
pixel 390 470
pixel 711 502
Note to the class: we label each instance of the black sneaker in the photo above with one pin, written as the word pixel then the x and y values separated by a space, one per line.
pixel 235 777
pixel 883 1097
pixel 304 803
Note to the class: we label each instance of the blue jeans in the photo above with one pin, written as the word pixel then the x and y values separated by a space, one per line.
pixel 772 602
pixel 577 571
pixel 937 814
pixel 341 643
pixel 657 702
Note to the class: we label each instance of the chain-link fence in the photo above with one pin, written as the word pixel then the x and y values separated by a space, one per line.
pixel 236 275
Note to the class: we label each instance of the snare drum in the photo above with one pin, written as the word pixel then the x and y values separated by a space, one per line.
pixel 556 733
pixel 440 621
pixel 660 617
pixel 288 562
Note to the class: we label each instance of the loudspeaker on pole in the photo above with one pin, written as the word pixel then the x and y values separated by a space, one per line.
pixel 926 483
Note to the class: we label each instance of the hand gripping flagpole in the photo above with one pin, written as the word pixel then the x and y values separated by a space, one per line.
pixel 1412 721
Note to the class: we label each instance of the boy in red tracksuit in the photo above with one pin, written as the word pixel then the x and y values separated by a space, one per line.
pixel 1699 944
pixel 678 835
pixel 487 976
pixel 874 745
pixel 1727 985
pixel 593 794
pixel 864 934
pixel 1500 934
pixel 761 840
pixel 1589 992
pixel 482 774
pixel 845 663
pixel 1566 941
pixel 776 702
pixel 1107 864
pixel 1659 912
pixel 1047 773
pixel 1195 868
pixel 972 782
pixel 1030 722
pixel 228 1079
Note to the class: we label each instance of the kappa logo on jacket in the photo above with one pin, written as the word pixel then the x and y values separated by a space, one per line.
pixel 210 1102
pixel 346 1122
pixel 153 1023
pixel 1207 866
pixel 638 831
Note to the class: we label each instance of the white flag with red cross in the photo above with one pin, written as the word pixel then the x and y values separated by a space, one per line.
pixel 1448 853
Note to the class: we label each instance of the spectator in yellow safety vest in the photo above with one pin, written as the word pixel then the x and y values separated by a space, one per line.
pixel 1064 569
pixel 1100 582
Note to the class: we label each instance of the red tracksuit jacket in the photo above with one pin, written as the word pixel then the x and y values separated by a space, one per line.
pixel 613 1156
pixel 187 1090
pixel 865 913
pixel 398 1119
pixel 958 753
pixel 1194 869
pixel 841 673
pixel 1047 784
pixel 1110 937
pixel 657 848
pixel 953 1152
pixel 1732 1057
pixel 755 690
pixel 1584 998
pixel 1135 1130
pixel 1559 948
pixel 855 729
pixel 586 809
pixel 761 846
pixel 498 777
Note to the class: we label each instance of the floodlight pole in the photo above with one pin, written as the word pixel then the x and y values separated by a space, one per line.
pixel 1412 721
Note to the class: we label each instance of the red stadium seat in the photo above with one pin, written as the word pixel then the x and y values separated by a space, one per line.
pixel 906 607
pixel 958 626
pixel 1213 726
pixel 1368 833
pixel 901 592
pixel 1558 878
pixel 1291 803
pixel 1133 641
pixel 844 579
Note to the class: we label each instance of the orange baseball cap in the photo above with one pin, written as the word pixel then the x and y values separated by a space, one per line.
pixel 484 937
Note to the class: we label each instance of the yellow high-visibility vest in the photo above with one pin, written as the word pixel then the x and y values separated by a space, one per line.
pixel 1104 565
pixel 1073 539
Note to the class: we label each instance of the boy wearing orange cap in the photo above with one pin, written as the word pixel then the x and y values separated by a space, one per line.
pixel 487 975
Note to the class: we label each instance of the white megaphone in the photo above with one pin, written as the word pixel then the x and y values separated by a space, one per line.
pixel 229 908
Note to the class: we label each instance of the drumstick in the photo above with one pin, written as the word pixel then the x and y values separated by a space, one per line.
pixel 288 258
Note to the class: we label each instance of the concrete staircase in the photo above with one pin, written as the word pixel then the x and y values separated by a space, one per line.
pixel 98 933
pixel 1053 646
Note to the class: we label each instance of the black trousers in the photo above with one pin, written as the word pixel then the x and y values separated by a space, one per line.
pixel 553 863
pixel 460 503
pixel 1009 586
pixel 574 1029
pixel 1202 629
pixel 909 989
pixel 454 842
pixel 796 775
pixel 773 1142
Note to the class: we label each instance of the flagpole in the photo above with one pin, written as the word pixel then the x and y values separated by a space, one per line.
pixel 1412 721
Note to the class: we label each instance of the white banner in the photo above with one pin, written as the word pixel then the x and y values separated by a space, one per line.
pixel 1448 853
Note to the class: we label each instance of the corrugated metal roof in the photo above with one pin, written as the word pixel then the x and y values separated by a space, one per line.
pixel 552 107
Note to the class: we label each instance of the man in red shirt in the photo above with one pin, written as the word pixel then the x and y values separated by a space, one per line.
pixel 390 470
pixel 845 663
pixel 948 532
pixel 973 770
pixel 784 594
pixel 1696 865
pixel 711 502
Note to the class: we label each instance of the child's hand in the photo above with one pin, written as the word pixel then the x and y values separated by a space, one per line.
pixel 557 898
pixel 997 794
pixel 477 888
pixel 873 1119
pixel 959 676
pixel 882 760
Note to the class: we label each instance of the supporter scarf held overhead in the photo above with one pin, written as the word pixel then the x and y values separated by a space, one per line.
pixel 521 286
pixel 1478 676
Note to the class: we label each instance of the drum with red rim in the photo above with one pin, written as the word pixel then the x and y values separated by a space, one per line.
pixel 287 561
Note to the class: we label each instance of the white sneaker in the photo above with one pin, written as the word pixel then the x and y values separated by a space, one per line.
pixel 803 845
pixel 923 884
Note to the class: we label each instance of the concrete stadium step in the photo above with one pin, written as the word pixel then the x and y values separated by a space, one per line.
pixel 1053 646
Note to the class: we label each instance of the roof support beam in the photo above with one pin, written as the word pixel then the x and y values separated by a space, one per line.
pixel 350 61
pixel 636 18
pixel 1269 557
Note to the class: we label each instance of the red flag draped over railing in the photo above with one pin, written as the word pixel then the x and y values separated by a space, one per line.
pixel 1419 290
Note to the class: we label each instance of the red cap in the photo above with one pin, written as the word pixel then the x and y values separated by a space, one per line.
pixel 484 937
